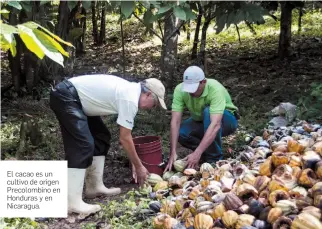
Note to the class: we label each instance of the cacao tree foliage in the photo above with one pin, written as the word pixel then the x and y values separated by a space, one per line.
pixel 230 13
pixel 37 38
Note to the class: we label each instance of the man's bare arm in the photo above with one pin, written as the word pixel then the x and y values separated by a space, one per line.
pixel 174 131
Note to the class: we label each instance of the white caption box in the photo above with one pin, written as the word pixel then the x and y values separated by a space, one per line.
pixel 33 189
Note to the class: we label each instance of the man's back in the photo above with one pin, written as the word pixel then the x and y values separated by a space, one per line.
pixel 102 94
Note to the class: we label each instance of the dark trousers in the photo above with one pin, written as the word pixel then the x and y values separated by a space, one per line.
pixel 191 133
pixel 83 136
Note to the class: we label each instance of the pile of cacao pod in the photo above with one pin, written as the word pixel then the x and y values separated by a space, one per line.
pixel 276 182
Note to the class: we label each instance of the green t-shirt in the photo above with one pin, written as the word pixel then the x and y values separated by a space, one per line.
pixel 214 95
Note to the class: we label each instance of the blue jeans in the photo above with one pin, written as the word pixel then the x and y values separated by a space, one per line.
pixel 191 133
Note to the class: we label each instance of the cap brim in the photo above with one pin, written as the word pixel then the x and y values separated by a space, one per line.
pixel 162 103
pixel 190 88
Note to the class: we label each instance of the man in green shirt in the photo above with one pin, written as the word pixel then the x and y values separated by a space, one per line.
pixel 213 116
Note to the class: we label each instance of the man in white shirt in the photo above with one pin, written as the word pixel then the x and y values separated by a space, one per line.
pixel 78 104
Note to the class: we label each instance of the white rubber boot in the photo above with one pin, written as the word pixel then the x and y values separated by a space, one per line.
pixel 94 180
pixel 76 204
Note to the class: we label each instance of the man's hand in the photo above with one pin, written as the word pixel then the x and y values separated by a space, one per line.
pixel 135 177
pixel 142 174
pixel 192 160
pixel 172 158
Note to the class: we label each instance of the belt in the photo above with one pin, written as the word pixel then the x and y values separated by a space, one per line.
pixel 72 89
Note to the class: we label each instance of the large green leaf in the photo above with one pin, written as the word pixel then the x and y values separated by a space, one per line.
pixel 34 25
pixel 230 19
pixel 239 17
pixel 164 9
pixel 87 4
pixel 27 6
pixel 4 11
pixel 71 4
pixel 157 17
pixel 189 14
pixel 7 29
pixel 38 47
pixel 31 44
pixel 147 17
pixel 115 4
pixel 75 33
pixel 11 42
pixel 4 44
pixel 43 2
pixel 180 13
pixel 127 8
pixel 14 4
pixel 221 23
pixel 48 41
pixel 146 4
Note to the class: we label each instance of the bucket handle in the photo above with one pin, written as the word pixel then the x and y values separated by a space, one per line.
pixel 161 164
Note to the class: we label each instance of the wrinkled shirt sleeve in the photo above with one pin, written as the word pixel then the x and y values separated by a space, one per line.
pixel 127 111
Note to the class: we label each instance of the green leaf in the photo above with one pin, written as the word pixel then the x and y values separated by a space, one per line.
pixel 189 14
pixel 4 11
pixel 14 4
pixel 146 4
pixel 147 17
pixel 7 29
pixel 34 25
pixel 87 4
pixel 75 33
pixel 164 9
pixel 230 19
pixel 179 13
pixel 27 6
pixel 30 42
pixel 40 47
pixel 47 41
pixel 71 4
pixel 12 43
pixel 239 17
pixel 221 23
pixel 115 4
pixel 127 8
pixel 43 2
pixel 157 17
pixel 4 44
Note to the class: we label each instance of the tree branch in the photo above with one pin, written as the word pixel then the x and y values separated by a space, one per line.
pixel 160 29
pixel 238 33
pixel 149 28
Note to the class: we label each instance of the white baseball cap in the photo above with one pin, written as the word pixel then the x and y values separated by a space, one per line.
pixel 158 89
pixel 191 79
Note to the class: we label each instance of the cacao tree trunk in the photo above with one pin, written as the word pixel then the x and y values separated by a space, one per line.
pixel 14 62
pixel 102 38
pixel 31 62
pixel 62 29
pixel 82 41
pixel 208 18
pixel 284 47
pixel 300 20
pixel 94 21
pixel 169 50
pixel 196 39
